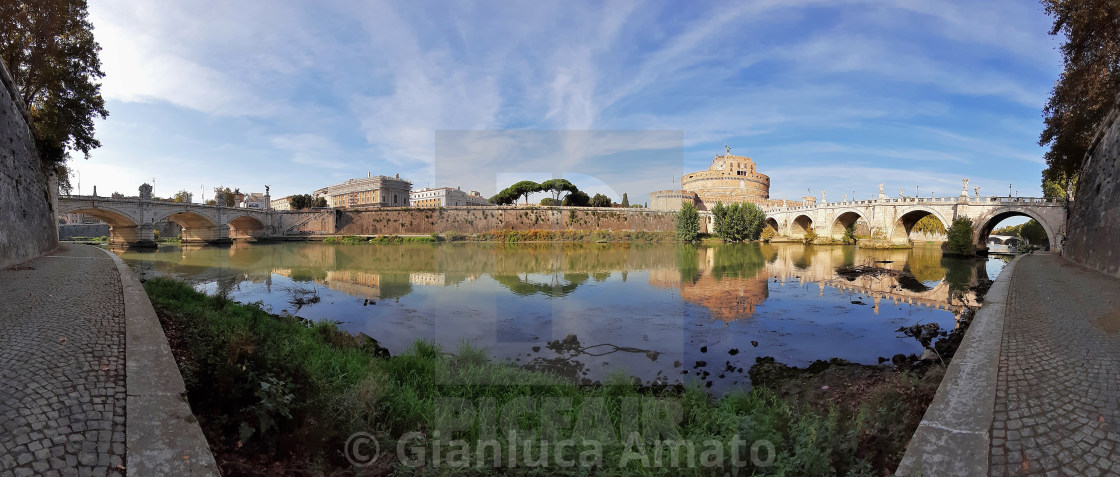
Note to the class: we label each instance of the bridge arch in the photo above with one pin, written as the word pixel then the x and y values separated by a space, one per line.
pixel 800 225
pixel 986 223
pixel 848 218
pixel 900 230
pixel 772 224
pixel 123 229
pixel 246 226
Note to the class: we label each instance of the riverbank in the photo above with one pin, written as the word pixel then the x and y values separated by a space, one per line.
pixel 275 393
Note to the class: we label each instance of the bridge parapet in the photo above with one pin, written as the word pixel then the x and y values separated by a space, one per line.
pixel 131 219
pixel 893 219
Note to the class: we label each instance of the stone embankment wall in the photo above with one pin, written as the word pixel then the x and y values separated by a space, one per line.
pixel 1094 220
pixel 28 227
pixel 422 221
pixel 68 232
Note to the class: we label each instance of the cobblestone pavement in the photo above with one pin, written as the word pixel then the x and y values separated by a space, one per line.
pixel 1057 409
pixel 62 366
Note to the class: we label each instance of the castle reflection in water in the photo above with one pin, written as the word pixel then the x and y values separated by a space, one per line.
pixel 728 280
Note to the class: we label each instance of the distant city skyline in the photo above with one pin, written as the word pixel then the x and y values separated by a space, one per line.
pixel 838 96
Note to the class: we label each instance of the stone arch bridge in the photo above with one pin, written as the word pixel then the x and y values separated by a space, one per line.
pixel 893 219
pixel 131 220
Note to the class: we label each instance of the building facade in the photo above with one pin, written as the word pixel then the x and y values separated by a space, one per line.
pixel 729 179
pixel 370 191
pixel 282 203
pixel 446 197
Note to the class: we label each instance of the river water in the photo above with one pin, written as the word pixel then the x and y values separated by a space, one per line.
pixel 659 312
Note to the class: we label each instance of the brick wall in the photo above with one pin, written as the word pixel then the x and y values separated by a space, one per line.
pixel 422 221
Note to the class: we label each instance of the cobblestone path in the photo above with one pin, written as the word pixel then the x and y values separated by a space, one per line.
pixel 62 366
pixel 1057 409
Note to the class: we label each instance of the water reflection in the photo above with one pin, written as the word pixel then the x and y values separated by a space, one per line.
pixel 655 311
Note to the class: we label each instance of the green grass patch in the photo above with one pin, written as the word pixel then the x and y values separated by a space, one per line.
pixel 279 389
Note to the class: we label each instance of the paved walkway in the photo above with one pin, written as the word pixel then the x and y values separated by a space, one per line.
pixel 62 365
pixel 1057 405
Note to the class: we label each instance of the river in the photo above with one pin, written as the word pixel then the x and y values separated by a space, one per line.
pixel 663 313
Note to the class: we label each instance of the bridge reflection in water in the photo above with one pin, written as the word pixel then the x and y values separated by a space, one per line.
pixel 649 307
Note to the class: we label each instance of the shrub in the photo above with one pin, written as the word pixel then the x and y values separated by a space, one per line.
pixel 738 222
pixel 688 223
pixel 767 234
pixel 959 240
pixel 810 235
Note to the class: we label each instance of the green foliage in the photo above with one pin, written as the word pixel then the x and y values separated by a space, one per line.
pixel 302 201
pixel 576 199
pixel 550 202
pixel 49 49
pixel 688 222
pixel 1060 187
pixel 849 234
pixel 513 193
pixel 767 234
pixel 600 200
pixel 1033 232
pixel 738 222
pixel 557 187
pixel 929 225
pixel 319 202
pixel 183 197
pixel 959 239
pixel 810 235
pixel 1086 89
pixel 229 197
pixel 625 200
pixel 279 379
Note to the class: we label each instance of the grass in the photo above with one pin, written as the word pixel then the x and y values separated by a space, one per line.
pixel 277 393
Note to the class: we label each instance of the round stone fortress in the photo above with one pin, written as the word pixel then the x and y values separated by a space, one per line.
pixel 729 179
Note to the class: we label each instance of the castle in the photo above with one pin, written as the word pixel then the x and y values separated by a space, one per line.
pixel 729 179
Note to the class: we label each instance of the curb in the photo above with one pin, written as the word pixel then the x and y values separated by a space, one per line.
pixel 954 436
pixel 162 434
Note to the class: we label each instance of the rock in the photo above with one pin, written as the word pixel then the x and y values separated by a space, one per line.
pixel 703 349
pixel 733 351
pixel 754 343
pixel 370 345
pixel 929 355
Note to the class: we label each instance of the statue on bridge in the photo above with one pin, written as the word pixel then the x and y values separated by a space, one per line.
pixel 145 191
pixel 964 188
pixel 727 149
pixel 823 200
pixel 901 193
pixel 977 192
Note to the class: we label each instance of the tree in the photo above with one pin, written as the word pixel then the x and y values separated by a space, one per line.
pixel 515 192
pixel 738 222
pixel 1086 89
pixel 300 201
pixel 225 196
pixel 625 201
pixel 576 199
pixel 183 197
pixel 600 200
pixel 48 48
pixel 1032 232
pixel 116 195
pixel 929 225
pixel 319 202
pixel 688 223
pixel 959 240
pixel 549 202
pixel 558 187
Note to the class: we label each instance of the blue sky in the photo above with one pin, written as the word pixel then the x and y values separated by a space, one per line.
pixel 618 96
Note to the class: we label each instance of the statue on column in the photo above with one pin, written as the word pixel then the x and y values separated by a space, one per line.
pixel 823 199
pixel 977 192
pixel 901 193
pixel 728 149
pixel 266 190
pixel 964 188
pixel 145 191
pixel 845 197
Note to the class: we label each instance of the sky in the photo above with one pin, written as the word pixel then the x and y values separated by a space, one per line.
pixel 617 96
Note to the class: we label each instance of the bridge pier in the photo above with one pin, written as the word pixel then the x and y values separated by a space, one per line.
pixel 215 235
pixel 138 236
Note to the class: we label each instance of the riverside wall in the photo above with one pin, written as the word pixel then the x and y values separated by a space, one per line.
pixel 423 221
pixel 1094 218
pixel 28 227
